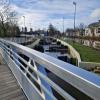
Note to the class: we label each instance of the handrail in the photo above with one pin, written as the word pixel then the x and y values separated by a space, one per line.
pixel 19 40
pixel 82 80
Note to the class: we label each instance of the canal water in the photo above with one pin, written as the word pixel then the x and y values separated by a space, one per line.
pixel 53 48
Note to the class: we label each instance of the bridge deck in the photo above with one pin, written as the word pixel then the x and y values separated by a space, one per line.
pixel 9 88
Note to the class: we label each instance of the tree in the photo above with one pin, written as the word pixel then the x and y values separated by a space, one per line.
pixel 92 31
pixel 4 4
pixel 70 32
pixel 82 29
pixel 52 31
pixel 8 25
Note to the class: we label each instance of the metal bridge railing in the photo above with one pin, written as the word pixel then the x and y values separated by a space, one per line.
pixel 19 40
pixel 34 72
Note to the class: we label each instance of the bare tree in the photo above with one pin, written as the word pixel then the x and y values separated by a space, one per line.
pixel 82 29
pixel 52 31
pixel 7 19
pixel 4 8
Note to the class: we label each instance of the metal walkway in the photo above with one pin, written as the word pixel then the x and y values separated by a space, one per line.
pixel 38 75
pixel 9 88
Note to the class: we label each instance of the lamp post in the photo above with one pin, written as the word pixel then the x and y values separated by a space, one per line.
pixel 74 3
pixel 24 21
pixel 30 25
pixel 57 30
pixel 24 28
pixel 63 26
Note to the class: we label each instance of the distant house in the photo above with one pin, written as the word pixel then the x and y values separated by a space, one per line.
pixel 72 32
pixel 88 32
pixel 93 29
pixel 77 32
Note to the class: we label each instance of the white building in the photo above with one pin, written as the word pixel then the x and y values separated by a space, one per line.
pixel 88 32
pixel 93 29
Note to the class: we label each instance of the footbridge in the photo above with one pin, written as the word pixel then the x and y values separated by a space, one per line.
pixel 37 76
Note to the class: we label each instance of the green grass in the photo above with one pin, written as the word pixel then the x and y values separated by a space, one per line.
pixel 87 54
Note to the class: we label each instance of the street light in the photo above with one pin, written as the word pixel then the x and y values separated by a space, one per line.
pixel 24 28
pixel 24 21
pixel 74 3
pixel 63 26
pixel 30 25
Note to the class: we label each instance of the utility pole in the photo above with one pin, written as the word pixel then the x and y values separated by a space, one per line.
pixel 30 25
pixel 74 3
pixel 24 21
pixel 63 26
pixel 24 28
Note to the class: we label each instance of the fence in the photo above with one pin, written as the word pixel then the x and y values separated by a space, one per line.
pixel 34 70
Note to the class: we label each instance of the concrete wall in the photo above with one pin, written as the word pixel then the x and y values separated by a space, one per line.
pixel 88 65
pixel 73 52
pixel 33 44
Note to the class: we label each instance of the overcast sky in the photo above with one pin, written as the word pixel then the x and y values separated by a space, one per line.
pixel 40 13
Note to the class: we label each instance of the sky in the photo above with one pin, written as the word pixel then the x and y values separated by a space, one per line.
pixel 40 13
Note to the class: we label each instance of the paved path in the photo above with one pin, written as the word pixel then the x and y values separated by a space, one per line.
pixel 9 88
pixel 33 44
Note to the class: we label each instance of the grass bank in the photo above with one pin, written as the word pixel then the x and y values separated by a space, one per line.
pixel 87 54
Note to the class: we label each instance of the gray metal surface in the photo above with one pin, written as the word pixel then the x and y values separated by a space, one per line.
pixel 9 88
pixel 84 81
